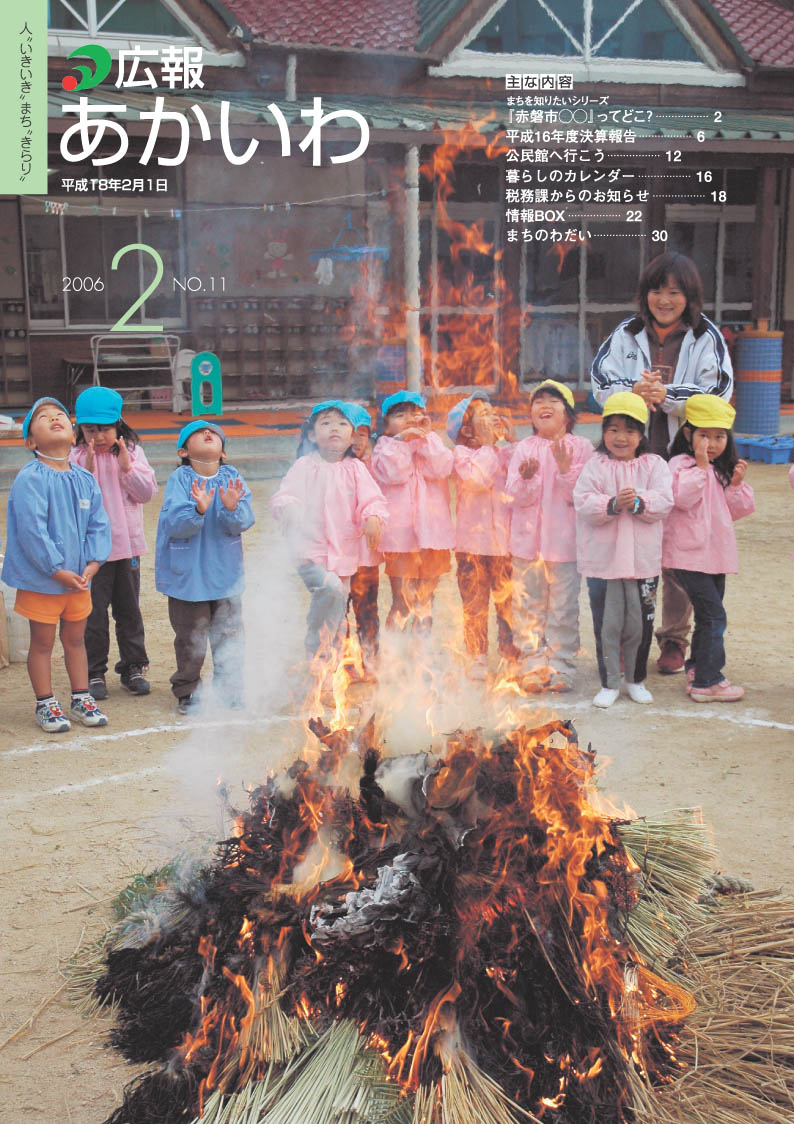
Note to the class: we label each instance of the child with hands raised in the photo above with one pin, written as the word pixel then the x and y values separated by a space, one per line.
pixel 482 530
pixel 58 536
pixel 199 565
pixel 331 511
pixel 621 499
pixel 109 449
pixel 543 471
pixel 413 466
pixel 699 546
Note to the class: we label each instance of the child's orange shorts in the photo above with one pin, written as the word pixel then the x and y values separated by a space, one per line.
pixel 425 564
pixel 49 608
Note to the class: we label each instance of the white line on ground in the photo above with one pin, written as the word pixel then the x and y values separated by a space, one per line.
pixel 80 786
pixel 699 711
pixel 88 741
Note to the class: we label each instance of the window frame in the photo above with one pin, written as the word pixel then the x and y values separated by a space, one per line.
pixel 586 66
pixel 721 215
pixel 466 213
pixel 94 29
pixel 64 323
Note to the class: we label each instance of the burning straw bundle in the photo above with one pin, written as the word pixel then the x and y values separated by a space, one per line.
pixel 463 939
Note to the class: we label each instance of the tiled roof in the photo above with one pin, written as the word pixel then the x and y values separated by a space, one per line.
pixel 765 29
pixel 352 25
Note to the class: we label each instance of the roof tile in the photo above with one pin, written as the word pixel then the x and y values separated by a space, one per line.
pixel 343 24
pixel 765 29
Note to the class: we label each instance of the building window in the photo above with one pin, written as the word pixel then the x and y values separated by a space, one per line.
pixel 115 17
pixel 571 301
pixel 642 29
pixel 74 246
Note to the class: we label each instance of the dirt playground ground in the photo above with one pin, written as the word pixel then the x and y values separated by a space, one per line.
pixel 82 813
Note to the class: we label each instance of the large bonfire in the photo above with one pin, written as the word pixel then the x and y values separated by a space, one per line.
pixel 450 937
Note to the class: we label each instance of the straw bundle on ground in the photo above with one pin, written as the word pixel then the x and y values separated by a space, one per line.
pixel 737 1049
pixel 491 948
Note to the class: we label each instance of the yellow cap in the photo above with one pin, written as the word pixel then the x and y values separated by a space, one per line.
pixel 628 403
pixel 560 387
pixel 707 411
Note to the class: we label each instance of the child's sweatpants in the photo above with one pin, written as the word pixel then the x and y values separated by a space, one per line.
pixel 327 609
pixel 546 614
pixel 480 577
pixel 623 612
pixel 197 622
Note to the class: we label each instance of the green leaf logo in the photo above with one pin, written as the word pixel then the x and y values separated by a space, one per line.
pixel 88 77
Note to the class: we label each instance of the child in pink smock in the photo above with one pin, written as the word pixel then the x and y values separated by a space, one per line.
pixel 482 527
pixel 413 466
pixel 111 452
pixel 324 505
pixel 543 471
pixel 621 499
pixel 699 541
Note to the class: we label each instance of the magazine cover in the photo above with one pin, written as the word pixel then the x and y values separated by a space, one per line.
pixel 396 442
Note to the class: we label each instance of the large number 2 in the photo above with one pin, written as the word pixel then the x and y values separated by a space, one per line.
pixel 122 324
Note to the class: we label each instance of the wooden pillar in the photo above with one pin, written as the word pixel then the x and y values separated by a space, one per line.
pixel 764 245
pixel 656 212
pixel 509 320
pixel 413 349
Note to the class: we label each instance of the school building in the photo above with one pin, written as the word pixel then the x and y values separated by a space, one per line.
pixel 309 275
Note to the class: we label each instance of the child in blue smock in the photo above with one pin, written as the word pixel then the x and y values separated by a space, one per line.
pixel 198 564
pixel 57 538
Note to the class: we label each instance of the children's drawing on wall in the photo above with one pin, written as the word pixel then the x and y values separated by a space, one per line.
pixel 278 256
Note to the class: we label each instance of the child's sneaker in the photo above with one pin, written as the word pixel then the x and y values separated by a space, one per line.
pixel 560 681
pixel 51 718
pixel 718 692
pixel 85 710
pixel 98 687
pixel 639 693
pixel 605 697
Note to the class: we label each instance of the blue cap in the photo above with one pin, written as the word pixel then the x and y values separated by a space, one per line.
pixel 346 408
pixel 194 427
pixel 362 416
pixel 457 413
pixel 32 411
pixel 401 396
pixel 99 405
